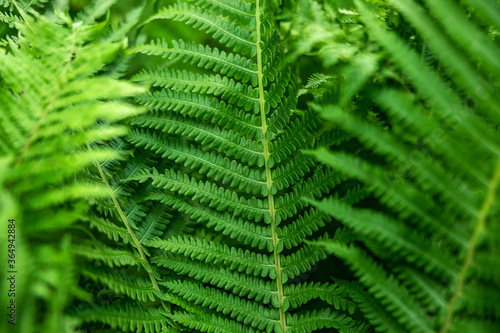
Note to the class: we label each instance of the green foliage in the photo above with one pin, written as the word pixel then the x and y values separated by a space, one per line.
pixel 433 169
pixel 55 106
pixel 295 166
pixel 230 140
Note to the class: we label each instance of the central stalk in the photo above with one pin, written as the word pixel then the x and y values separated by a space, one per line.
pixel 269 180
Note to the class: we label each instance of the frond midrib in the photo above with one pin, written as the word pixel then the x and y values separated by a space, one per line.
pixel 478 230
pixel 136 242
pixel 269 180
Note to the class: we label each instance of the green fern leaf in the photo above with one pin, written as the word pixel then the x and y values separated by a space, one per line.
pixel 236 259
pixel 227 32
pixel 56 104
pixel 127 318
pixel 111 257
pixel 135 288
pixel 204 56
pixel 224 139
pixel 430 164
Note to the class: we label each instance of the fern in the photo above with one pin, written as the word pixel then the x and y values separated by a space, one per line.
pixel 418 254
pixel 55 105
pixel 12 12
pixel 230 138
pixel 294 166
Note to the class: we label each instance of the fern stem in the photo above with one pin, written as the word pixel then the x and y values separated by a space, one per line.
pixel 471 248
pixel 23 14
pixel 269 180
pixel 136 242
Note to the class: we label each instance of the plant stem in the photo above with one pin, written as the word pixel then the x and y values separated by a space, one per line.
pixel 135 241
pixel 269 180
pixel 471 248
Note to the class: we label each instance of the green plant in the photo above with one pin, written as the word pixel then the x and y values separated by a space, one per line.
pixel 286 166
pixel 230 139
pixel 426 255
pixel 54 107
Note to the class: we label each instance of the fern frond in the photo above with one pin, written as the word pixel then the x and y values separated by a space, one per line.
pixel 298 231
pixel 289 204
pixel 248 312
pixel 204 56
pixel 295 136
pixel 455 60
pixel 229 90
pixel 239 284
pixel 223 140
pixel 237 37
pixel 430 86
pixel 378 316
pixel 427 172
pixel 325 318
pixel 153 225
pixel 136 288
pixel 211 323
pixel 110 256
pixel 292 171
pixel 466 34
pixel 244 10
pixel 205 108
pixel 49 118
pixel 220 168
pixel 300 261
pixel 10 18
pixel 395 298
pixel 236 259
pixel 127 318
pixel 401 241
pixel 432 173
pixel 333 294
pixel 248 233
pixel 228 134
pixel 216 197
pixel 408 199
pixel 412 119
pixel 425 289
pixel 94 10
pixel 487 9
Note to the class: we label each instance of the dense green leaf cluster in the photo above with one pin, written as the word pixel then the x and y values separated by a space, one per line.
pixel 55 107
pixel 431 164
pixel 251 165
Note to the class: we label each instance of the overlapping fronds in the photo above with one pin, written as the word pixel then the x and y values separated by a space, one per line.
pixel 230 200
pixel 434 170
pixel 55 105
pixel 220 148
